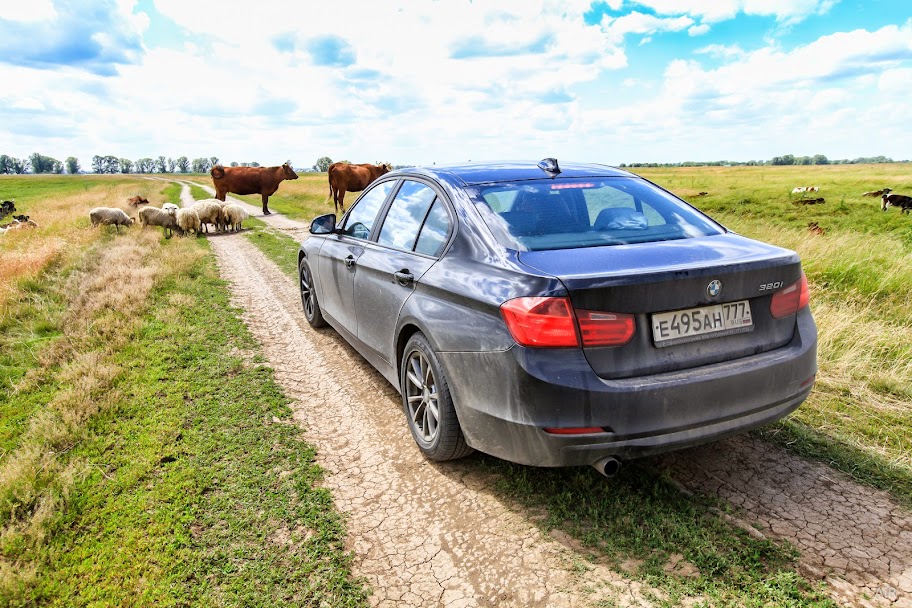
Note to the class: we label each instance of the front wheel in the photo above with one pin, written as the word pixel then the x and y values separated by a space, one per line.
pixel 312 311
pixel 428 405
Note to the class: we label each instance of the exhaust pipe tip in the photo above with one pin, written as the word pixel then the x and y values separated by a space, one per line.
pixel 607 466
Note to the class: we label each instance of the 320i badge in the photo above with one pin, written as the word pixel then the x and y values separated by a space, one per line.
pixel 558 314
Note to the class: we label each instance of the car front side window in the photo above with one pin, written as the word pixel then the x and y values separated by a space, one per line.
pixel 405 216
pixel 361 217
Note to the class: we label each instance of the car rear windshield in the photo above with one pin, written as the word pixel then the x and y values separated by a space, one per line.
pixel 591 212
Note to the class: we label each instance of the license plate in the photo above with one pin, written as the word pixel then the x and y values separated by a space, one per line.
pixel 680 326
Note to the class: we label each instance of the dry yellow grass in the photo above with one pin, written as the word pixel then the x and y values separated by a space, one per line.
pixel 111 287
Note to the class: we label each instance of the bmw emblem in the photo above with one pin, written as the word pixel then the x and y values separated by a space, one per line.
pixel 714 288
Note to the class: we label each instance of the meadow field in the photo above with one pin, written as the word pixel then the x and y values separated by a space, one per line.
pixel 136 467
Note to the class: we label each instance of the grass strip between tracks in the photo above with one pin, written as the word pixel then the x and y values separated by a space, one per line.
pixel 159 464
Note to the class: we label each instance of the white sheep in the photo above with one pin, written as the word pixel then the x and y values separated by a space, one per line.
pixel 187 220
pixel 107 216
pixel 209 213
pixel 233 215
pixel 153 216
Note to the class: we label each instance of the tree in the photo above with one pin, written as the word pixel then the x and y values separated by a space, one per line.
pixel 213 161
pixel 98 165
pixel 183 164
pixel 72 164
pixel 45 164
pixel 820 159
pixel 323 164
pixel 171 165
pixel 126 165
pixel 200 165
pixel 234 163
pixel 145 165
pixel 161 164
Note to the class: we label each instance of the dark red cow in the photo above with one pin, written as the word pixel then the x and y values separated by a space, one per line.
pixel 344 177
pixel 250 180
pixel 136 201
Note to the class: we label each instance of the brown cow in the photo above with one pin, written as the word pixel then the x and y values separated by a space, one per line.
pixel 250 180
pixel 136 201
pixel 344 177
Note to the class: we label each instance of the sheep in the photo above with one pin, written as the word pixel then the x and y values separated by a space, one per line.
pixel 21 225
pixel 805 189
pixel 153 216
pixel 107 216
pixel 209 213
pixel 878 192
pixel 896 200
pixel 233 215
pixel 187 220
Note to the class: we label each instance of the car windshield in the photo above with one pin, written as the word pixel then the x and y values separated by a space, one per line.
pixel 586 212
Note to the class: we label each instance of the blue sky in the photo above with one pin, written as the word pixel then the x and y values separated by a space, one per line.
pixel 418 82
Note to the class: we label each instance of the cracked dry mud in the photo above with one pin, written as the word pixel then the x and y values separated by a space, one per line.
pixel 429 534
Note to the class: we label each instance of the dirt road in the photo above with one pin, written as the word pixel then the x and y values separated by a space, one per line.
pixel 435 534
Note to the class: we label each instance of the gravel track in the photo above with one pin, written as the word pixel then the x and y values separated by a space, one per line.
pixel 436 534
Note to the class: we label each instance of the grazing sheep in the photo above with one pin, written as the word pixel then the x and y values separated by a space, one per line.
pixel 21 225
pixel 805 189
pixel 233 215
pixel 187 220
pixel 153 216
pixel 209 213
pixel 107 216
pixel 896 200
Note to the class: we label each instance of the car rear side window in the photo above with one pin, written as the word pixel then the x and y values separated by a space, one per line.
pixel 361 217
pixel 587 212
pixel 405 216
pixel 435 230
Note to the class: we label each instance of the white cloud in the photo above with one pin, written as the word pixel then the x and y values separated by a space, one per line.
pixel 721 51
pixel 640 23
pixel 698 30
pixel 27 12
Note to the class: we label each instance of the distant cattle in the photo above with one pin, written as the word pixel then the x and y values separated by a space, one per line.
pixel 250 180
pixel 136 201
pixel 878 192
pixel 345 177
pixel 896 200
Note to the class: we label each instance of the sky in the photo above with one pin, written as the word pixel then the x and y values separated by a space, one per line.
pixel 418 82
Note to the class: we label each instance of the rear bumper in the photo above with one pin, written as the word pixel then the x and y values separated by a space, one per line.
pixel 505 399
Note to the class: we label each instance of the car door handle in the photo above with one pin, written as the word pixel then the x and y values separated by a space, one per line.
pixel 349 261
pixel 404 277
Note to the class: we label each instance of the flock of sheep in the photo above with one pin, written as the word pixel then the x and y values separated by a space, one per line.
pixel 224 217
pixel 19 222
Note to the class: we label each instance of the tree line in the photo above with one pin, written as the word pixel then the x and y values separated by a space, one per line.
pixel 38 163
pixel 787 159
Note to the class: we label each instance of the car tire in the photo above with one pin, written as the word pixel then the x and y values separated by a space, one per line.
pixel 428 405
pixel 312 311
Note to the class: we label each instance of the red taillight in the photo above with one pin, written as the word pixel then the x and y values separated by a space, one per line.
pixel 552 322
pixel 790 300
pixel 605 328
pixel 540 321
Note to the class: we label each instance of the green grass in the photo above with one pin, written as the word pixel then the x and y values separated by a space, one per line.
pixel 640 524
pixel 280 248
pixel 200 490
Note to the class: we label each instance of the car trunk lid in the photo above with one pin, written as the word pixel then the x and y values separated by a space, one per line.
pixel 657 281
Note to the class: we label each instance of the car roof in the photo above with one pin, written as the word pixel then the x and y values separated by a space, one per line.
pixel 471 173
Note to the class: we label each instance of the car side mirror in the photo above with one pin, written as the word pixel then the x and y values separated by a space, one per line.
pixel 324 224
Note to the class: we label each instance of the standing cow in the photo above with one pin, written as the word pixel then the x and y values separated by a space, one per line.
pixel 250 180
pixel 344 177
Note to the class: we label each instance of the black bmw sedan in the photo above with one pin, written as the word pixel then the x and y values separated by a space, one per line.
pixel 558 314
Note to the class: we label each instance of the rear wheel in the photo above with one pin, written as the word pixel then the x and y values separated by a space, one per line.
pixel 428 405
pixel 309 297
